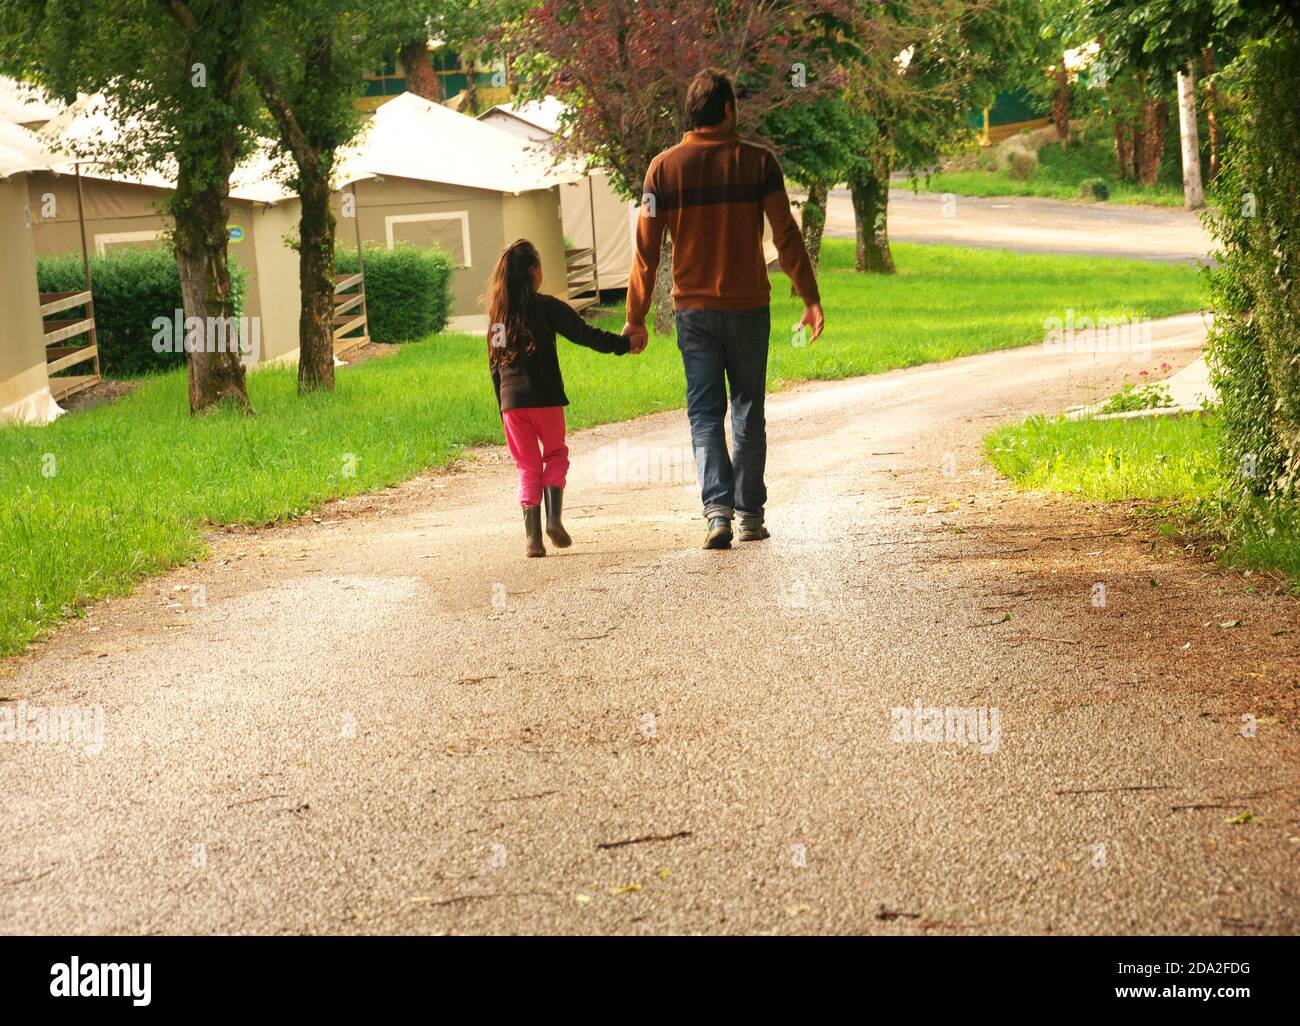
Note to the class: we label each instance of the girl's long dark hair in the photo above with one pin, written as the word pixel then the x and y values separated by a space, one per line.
pixel 511 294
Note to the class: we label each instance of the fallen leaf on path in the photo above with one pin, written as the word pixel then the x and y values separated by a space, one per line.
pixel 629 889
pixel 1244 817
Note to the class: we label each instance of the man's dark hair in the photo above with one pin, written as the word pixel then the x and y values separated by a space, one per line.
pixel 707 97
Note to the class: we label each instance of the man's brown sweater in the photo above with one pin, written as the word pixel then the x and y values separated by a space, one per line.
pixel 711 192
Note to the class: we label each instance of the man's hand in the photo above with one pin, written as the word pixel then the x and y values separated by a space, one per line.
pixel 638 337
pixel 814 319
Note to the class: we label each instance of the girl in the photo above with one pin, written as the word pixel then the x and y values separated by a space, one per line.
pixel 526 375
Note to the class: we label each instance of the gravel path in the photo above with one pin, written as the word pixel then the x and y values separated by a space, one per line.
pixel 384 719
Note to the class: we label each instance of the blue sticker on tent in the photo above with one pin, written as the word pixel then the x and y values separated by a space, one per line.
pixel 236 233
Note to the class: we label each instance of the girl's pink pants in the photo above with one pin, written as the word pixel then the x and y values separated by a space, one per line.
pixel 535 437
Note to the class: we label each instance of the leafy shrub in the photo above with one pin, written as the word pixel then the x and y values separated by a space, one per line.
pixel 1094 188
pixel 1254 346
pixel 1019 163
pixel 408 290
pixel 131 287
pixel 1018 155
pixel 1131 397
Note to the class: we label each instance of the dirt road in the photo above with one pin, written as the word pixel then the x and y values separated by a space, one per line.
pixel 385 719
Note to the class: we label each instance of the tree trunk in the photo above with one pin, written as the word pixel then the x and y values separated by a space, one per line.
pixel 870 191
pixel 1061 104
pixel 813 223
pixel 1125 149
pixel 1212 110
pixel 468 68
pixel 421 79
pixel 814 220
pixel 1155 123
pixel 1189 140
pixel 202 241
pixel 316 283
pixel 313 156
pixel 662 297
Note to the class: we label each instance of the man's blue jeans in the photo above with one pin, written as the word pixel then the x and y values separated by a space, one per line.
pixel 724 349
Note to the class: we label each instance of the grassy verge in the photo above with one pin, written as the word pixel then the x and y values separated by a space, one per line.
pixel 98 499
pixel 1061 172
pixel 1170 461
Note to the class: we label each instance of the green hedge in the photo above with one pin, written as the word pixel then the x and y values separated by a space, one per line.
pixel 1254 349
pixel 131 288
pixel 408 290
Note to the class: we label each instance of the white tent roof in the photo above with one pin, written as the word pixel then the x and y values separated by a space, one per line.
pixel 410 137
pixel 22 103
pixel 88 125
pixel 543 114
pixel 21 150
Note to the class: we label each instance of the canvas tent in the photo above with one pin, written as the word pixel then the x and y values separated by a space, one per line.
pixel 127 209
pixel 426 175
pixel 24 382
pixel 587 202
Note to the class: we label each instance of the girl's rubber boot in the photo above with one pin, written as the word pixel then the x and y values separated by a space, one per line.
pixel 533 529
pixel 554 529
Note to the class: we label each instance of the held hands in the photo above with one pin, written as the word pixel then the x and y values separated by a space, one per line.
pixel 814 319
pixel 638 337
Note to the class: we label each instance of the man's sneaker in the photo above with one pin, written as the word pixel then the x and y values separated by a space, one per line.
pixel 719 536
pixel 751 529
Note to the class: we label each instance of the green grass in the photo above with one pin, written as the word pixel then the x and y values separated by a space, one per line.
pixel 1141 458
pixel 100 498
pixel 1061 172
pixel 1171 460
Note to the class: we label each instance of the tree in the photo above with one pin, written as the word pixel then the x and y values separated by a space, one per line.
pixel 817 142
pixel 474 29
pixel 1168 42
pixel 1046 73
pixel 308 62
pixel 919 66
pixel 623 66
pixel 173 74
pixel 421 79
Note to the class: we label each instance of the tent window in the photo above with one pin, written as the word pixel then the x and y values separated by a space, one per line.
pixel 136 240
pixel 448 230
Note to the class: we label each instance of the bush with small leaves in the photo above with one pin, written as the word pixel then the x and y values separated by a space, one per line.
pixel 131 289
pixel 1254 345
pixel 408 290
pixel 1095 189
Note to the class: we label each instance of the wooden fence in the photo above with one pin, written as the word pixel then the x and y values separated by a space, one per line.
pixel 584 287
pixel 350 313
pixel 59 357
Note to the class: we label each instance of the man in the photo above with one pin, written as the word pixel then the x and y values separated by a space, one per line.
pixel 711 192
